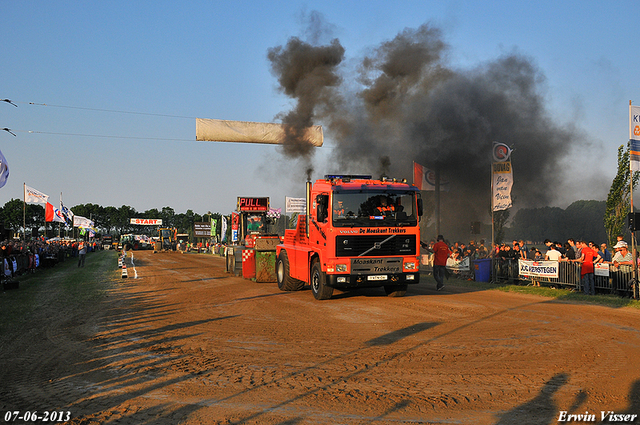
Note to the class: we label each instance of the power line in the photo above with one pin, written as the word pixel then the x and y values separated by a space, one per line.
pixel 9 101
pixel 102 136
pixel 95 109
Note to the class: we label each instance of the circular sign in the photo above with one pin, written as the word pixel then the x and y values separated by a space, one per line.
pixel 501 152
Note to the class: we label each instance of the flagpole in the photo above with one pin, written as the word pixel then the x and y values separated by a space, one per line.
pixel 437 200
pixel 633 232
pixel 24 212
pixel 492 221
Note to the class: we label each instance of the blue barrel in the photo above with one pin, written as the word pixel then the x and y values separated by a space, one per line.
pixel 482 269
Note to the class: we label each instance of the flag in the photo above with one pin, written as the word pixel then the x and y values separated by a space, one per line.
pixel 274 212
pixel 223 228
pixel 634 137
pixel 4 170
pixel 34 196
pixel 214 226
pixel 82 222
pixel 425 179
pixel 66 213
pixel 52 214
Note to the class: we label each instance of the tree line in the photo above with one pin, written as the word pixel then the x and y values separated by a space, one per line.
pixel 108 220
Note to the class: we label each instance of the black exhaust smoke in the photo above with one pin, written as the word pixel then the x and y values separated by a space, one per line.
pixel 406 103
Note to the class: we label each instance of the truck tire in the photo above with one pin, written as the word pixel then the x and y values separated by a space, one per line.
pixel 395 290
pixel 319 283
pixel 285 281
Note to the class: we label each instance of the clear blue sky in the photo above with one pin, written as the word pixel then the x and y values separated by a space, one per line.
pixel 170 62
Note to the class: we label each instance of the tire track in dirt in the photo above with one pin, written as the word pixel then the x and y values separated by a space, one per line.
pixel 188 343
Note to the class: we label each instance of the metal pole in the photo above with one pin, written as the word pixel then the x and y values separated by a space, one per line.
pixel 438 232
pixel 633 232
pixel 24 212
pixel 492 227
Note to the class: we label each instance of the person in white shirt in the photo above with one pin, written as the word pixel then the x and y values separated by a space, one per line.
pixel 553 254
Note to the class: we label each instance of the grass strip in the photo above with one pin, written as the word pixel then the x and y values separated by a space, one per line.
pixel 64 287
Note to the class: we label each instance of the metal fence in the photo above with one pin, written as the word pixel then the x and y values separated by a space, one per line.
pixel 619 281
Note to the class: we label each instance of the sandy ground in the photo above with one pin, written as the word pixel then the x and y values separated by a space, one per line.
pixel 187 343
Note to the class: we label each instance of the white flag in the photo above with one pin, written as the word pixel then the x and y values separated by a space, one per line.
pixel 82 222
pixel 34 196
pixel 4 170
pixel 296 205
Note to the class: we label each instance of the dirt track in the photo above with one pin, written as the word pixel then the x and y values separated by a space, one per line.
pixel 187 343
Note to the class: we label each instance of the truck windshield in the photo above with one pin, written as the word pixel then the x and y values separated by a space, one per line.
pixel 374 208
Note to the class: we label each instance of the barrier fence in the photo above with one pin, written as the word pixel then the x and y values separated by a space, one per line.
pixel 617 280
pixel 608 280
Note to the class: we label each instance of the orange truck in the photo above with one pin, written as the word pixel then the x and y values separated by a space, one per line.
pixel 357 232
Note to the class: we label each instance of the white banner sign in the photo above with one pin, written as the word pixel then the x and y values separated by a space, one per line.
pixel 147 221
pixel 538 268
pixel 462 265
pixel 634 122
pixel 296 205
pixel 502 182
pixel 601 269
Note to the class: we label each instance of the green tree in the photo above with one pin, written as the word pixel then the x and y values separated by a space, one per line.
pixel 110 215
pixel 168 217
pixel 11 214
pixel 619 199
pixel 123 219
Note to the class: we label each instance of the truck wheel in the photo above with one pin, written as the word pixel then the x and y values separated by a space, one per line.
pixel 285 281
pixel 319 283
pixel 395 290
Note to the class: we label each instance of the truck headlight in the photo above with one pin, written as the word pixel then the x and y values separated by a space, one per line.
pixel 410 266
pixel 341 268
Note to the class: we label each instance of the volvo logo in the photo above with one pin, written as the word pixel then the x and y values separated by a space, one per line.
pixel 377 245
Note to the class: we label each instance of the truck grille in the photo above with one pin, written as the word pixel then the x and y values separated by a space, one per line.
pixel 354 246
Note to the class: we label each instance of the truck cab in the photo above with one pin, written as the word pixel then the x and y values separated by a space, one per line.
pixel 357 232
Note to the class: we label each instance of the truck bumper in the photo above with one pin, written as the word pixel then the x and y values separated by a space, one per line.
pixel 365 281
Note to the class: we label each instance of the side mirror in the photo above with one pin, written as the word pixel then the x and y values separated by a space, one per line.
pixel 420 209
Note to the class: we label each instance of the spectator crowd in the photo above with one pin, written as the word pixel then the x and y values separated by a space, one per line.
pixel 586 254
pixel 21 257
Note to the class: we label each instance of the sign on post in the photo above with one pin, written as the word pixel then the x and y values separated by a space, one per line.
pixel 202 229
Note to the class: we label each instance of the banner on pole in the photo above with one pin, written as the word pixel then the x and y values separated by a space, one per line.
pixel 634 137
pixel 223 229
pixel 502 183
pixel 425 179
